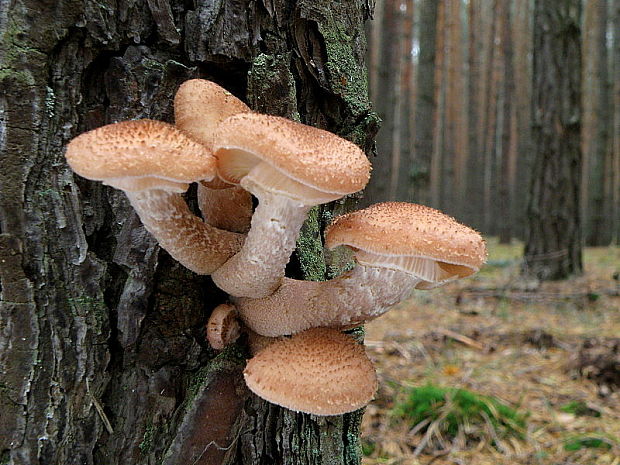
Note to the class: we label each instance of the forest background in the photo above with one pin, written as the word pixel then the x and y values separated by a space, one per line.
pixel 452 81
pixel 506 115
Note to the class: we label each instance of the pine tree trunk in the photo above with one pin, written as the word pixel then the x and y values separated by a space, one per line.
pixel 378 189
pixel 522 33
pixel 102 353
pixel 553 242
pixel 426 105
pixel 615 137
pixel 506 189
pixel 596 205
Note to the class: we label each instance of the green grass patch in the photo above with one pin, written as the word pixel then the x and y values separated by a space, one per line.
pixel 579 409
pixel 588 441
pixel 456 413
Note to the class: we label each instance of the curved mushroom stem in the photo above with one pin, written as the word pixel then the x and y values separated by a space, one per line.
pixel 257 270
pixel 228 208
pixel 359 295
pixel 189 240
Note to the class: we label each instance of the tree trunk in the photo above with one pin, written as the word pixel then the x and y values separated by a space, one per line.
pixel 456 142
pixel 553 242
pixel 615 139
pixel 102 354
pixel 438 145
pixel 596 205
pixel 506 185
pixel 408 85
pixel 426 105
pixel 472 209
pixel 378 189
pixel 489 132
pixel 522 33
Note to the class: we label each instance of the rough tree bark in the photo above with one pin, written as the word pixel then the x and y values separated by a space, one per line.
pixel 553 247
pixel 102 354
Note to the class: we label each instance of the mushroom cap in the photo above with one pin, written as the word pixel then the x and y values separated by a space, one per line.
pixel 200 105
pixel 319 371
pixel 223 327
pixel 140 154
pixel 294 159
pixel 410 237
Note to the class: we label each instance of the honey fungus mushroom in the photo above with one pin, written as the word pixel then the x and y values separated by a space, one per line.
pixel 320 371
pixel 199 106
pixel 397 247
pixel 289 167
pixel 223 327
pixel 153 163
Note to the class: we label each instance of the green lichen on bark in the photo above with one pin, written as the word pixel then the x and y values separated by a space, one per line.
pixel 271 86
pixel 310 248
pixel 14 50
pixel 231 358
pixel 346 77
pixel 149 435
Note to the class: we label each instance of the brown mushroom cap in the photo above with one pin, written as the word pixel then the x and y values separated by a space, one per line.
pixel 305 162
pixel 412 238
pixel 223 327
pixel 200 105
pixel 141 154
pixel 320 371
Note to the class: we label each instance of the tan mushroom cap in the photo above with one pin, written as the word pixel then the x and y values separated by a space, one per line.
pixel 223 327
pixel 319 371
pixel 200 105
pixel 410 237
pixel 141 154
pixel 316 159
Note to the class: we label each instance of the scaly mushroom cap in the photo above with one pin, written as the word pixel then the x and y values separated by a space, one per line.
pixel 294 159
pixel 412 238
pixel 200 105
pixel 141 154
pixel 320 371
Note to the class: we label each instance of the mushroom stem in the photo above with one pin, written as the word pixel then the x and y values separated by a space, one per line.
pixel 195 244
pixel 228 208
pixel 359 295
pixel 257 270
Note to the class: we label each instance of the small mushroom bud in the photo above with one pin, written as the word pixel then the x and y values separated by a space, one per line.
pixel 223 327
pixel 397 246
pixel 320 371
pixel 289 167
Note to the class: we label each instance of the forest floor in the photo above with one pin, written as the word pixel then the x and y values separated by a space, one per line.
pixel 539 348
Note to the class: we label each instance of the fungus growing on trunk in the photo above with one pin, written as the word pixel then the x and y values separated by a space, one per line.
pixel 154 162
pixel 223 327
pixel 397 247
pixel 199 106
pixel 289 167
pixel 320 371
pixel 228 208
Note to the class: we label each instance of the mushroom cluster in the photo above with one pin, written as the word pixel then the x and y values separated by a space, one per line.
pixel 301 358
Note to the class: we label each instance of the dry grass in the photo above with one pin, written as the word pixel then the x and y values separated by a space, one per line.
pixel 500 336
